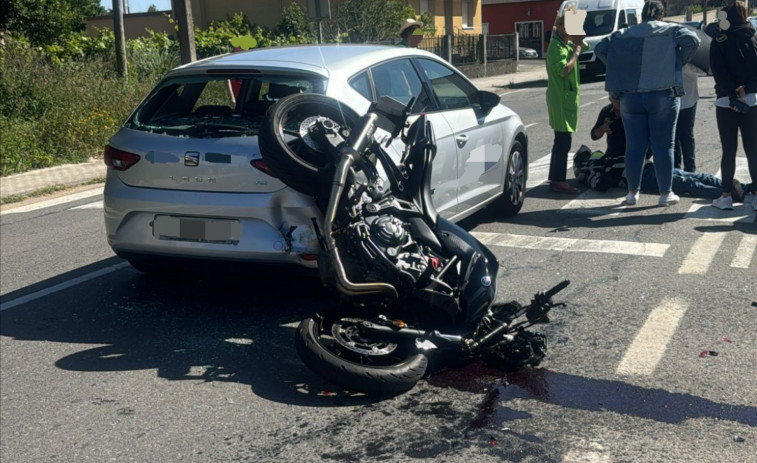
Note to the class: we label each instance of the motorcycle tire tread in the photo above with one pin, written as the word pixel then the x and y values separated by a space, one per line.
pixel 352 376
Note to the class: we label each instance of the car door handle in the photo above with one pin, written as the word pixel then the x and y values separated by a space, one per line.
pixel 461 140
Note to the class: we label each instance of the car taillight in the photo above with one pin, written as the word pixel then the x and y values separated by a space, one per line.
pixel 119 160
pixel 260 165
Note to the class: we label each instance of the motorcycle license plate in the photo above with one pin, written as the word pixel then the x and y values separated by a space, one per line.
pixel 166 227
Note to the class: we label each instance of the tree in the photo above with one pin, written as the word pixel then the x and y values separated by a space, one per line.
pixel 293 22
pixel 371 20
pixel 152 9
pixel 44 21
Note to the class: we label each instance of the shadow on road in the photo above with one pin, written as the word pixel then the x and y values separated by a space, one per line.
pixel 228 328
pixel 581 393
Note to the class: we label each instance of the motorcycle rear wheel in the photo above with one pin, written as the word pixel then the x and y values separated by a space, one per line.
pixel 295 158
pixel 375 367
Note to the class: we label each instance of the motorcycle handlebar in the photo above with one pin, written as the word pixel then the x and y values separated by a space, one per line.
pixel 556 289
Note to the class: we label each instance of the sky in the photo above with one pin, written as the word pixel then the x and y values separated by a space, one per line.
pixel 139 6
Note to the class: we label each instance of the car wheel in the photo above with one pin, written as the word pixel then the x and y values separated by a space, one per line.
pixel 514 188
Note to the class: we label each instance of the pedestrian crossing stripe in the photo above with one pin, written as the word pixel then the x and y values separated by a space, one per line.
pixel 572 244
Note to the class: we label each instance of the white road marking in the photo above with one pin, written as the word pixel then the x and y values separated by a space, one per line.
pixel 651 341
pixel 538 172
pixel 62 286
pixel 703 210
pixel 572 244
pixel 742 213
pixel 593 202
pixel 587 104
pixel 94 205
pixel 532 124
pixel 55 201
pixel 745 252
pixel 701 254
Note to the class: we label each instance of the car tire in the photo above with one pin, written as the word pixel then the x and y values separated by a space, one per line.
pixel 514 188
pixel 289 157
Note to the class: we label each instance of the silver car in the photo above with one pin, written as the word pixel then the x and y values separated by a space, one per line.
pixel 186 179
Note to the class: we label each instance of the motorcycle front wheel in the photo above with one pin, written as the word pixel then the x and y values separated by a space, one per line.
pixel 287 143
pixel 334 350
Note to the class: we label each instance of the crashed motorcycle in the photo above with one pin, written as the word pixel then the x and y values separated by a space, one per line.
pixel 411 283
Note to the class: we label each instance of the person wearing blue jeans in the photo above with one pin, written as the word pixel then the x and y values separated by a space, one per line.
pixel 649 119
pixel 644 69
pixel 698 185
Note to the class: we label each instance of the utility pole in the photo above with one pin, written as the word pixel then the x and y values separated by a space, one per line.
pixel 118 29
pixel 182 12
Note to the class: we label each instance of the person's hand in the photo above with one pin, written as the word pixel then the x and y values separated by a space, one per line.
pixel 578 41
pixel 606 126
pixel 740 92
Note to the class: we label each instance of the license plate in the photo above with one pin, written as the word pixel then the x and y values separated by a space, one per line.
pixel 201 230
pixel 581 66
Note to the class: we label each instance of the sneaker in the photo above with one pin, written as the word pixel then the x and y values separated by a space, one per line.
pixel 668 199
pixel 737 192
pixel 632 198
pixel 724 202
pixel 754 202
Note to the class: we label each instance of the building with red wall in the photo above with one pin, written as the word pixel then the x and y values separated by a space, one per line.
pixel 532 19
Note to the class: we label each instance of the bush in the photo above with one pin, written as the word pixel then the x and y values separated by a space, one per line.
pixel 54 111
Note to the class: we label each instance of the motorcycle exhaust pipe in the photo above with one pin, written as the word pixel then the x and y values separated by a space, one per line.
pixel 348 157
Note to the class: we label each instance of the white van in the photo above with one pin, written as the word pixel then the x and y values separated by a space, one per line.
pixel 603 17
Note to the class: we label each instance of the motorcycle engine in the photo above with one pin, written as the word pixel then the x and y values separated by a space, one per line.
pixel 389 236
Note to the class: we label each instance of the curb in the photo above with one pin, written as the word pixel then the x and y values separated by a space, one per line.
pixel 27 183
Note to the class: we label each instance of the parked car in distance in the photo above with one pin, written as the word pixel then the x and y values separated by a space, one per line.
pixel 527 53
pixel 186 179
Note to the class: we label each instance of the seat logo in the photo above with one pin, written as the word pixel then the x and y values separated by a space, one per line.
pixel 191 159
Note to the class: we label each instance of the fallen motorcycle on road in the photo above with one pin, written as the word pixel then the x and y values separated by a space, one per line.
pixel 411 282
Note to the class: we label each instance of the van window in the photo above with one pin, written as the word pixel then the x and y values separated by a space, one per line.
pixel 631 17
pixel 599 22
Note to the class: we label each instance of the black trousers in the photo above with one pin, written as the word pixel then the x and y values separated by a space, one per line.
pixel 558 162
pixel 730 123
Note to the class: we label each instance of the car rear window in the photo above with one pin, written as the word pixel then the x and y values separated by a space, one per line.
pixel 216 106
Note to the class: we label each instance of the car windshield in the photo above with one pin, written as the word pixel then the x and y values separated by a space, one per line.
pixel 600 22
pixel 216 106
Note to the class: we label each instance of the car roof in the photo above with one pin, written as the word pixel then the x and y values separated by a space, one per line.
pixel 320 59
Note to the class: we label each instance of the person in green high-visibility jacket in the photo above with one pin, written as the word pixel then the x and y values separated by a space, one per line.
pixel 562 101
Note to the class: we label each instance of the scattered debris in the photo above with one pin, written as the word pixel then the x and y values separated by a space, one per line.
pixel 707 353
pixel 493 440
pixel 724 339
pixel 738 439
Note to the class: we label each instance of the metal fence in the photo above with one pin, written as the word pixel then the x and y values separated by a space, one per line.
pixel 472 49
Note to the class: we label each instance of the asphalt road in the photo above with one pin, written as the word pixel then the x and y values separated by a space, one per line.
pixel 101 363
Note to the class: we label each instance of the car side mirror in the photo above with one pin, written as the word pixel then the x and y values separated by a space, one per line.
pixel 623 26
pixel 487 100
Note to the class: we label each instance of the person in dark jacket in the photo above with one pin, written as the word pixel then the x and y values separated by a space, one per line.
pixel 733 61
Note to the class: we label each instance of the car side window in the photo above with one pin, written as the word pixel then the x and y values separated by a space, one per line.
pixel 399 80
pixel 451 89
pixel 361 83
